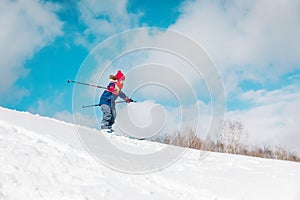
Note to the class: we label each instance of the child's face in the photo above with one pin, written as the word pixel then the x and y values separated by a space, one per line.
pixel 121 82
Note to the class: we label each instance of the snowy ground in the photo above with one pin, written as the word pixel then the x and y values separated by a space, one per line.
pixel 42 158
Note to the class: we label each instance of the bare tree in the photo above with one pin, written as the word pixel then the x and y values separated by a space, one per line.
pixel 229 141
pixel 230 137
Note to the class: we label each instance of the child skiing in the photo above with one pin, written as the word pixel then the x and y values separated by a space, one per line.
pixel 108 100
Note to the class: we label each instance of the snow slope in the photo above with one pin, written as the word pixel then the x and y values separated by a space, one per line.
pixel 42 158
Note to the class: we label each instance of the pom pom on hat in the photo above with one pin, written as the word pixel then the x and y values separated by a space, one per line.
pixel 119 75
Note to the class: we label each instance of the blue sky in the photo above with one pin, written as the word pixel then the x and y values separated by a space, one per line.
pixel 254 45
pixel 54 63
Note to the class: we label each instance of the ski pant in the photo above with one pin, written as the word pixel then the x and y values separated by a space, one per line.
pixel 109 116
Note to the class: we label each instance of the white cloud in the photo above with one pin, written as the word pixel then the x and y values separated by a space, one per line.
pixel 141 119
pixel 53 106
pixel 64 116
pixel 274 119
pixel 49 105
pixel 103 19
pixel 26 27
pixel 262 96
pixel 148 118
pixel 163 77
pixel 249 40
pixel 162 62
pixel 256 40
pixel 77 118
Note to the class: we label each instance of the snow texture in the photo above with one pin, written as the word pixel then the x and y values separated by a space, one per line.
pixel 42 158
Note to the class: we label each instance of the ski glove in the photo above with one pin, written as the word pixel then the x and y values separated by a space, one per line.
pixel 128 100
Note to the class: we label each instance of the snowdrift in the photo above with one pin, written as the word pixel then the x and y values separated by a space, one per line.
pixel 42 158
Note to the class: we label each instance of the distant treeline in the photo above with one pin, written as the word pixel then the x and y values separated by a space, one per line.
pixel 228 142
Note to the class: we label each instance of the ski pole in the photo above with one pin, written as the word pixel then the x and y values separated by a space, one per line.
pixel 131 100
pixel 90 105
pixel 93 105
pixel 92 85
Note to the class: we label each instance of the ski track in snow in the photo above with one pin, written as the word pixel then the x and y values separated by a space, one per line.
pixel 42 158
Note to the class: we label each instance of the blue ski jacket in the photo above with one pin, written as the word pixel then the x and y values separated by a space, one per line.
pixel 110 95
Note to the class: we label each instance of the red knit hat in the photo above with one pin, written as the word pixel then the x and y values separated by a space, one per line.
pixel 120 76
